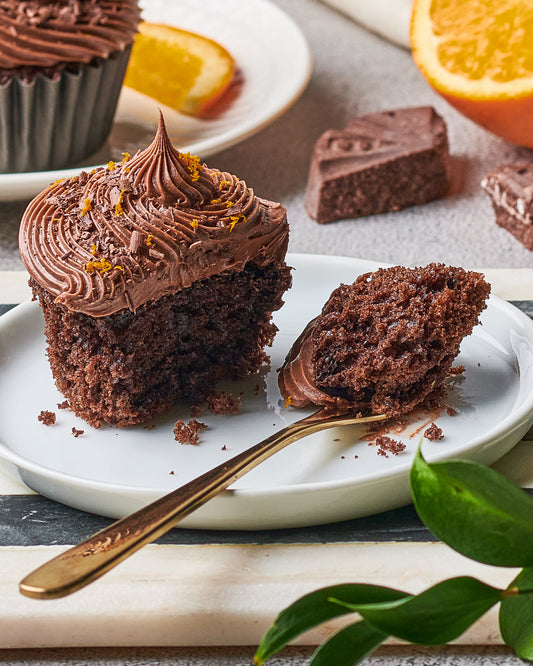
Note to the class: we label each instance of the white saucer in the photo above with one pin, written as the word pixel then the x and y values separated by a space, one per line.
pixel 330 476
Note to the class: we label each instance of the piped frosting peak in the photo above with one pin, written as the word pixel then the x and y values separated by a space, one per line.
pixel 168 175
pixel 157 222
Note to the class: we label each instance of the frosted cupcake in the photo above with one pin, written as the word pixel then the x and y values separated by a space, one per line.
pixel 157 277
pixel 62 64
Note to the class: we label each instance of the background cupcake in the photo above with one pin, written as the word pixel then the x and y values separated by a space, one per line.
pixel 61 69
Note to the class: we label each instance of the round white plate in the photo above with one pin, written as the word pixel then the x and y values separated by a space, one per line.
pixel 271 54
pixel 330 476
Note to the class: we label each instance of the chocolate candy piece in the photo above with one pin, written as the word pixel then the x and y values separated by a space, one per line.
pixel 510 187
pixel 381 162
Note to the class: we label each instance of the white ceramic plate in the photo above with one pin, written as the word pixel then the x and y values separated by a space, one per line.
pixel 271 54
pixel 333 475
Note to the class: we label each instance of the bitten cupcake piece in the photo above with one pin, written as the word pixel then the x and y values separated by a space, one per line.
pixel 157 277
pixel 381 162
pixel 510 188
pixel 386 343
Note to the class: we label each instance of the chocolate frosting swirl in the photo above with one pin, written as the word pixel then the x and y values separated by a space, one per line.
pixel 132 232
pixel 45 34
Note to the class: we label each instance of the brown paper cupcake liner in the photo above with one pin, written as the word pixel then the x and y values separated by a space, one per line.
pixel 53 123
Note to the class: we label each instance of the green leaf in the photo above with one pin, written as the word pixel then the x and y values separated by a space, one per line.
pixel 516 616
pixel 474 510
pixel 315 608
pixel 435 616
pixel 348 646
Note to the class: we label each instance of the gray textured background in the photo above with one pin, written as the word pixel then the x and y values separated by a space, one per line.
pixel 355 72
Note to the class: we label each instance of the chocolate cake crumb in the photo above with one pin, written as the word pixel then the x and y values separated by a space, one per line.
pixel 63 405
pixel 224 448
pixel 388 445
pixel 451 411
pixel 47 418
pixel 149 426
pixel 457 370
pixel 196 410
pixel 223 403
pixel 188 433
pixel 171 472
pixel 433 433
pixel 77 432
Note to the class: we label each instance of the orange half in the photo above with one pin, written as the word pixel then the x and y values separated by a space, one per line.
pixel 180 69
pixel 479 56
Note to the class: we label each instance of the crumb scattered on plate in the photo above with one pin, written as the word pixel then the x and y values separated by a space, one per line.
pixel 188 433
pixel 223 403
pixel 46 417
pixel 388 445
pixel 433 433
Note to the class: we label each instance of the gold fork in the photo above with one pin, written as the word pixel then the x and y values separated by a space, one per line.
pixel 84 563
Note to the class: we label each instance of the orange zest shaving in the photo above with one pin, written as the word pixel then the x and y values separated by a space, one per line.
pixel 229 204
pixel 101 265
pixel 192 163
pixel 111 165
pixel 124 160
pixel 118 206
pixel 216 201
pixel 223 184
pixel 149 240
pixel 194 224
pixel 93 249
pixel 288 401
pixel 87 206
pixel 236 218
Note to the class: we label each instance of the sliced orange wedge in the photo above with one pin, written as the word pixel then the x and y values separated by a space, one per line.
pixel 479 56
pixel 180 69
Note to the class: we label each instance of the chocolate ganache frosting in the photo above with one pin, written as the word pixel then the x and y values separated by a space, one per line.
pixel 296 377
pixel 158 222
pixel 40 33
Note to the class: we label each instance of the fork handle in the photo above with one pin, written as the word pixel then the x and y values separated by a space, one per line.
pixel 84 563
pixel 80 565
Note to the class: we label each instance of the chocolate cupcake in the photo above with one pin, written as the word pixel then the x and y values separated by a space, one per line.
pixel 62 63
pixel 157 278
